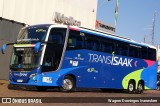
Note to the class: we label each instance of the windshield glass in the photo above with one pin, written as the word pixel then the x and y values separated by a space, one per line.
pixel 25 58
pixel 32 34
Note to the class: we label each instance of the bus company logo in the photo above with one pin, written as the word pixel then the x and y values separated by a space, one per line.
pixel 20 74
pixel 135 63
pixel 112 60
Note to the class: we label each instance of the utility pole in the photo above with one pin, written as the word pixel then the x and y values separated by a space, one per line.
pixel 145 37
pixel 144 41
pixel 153 28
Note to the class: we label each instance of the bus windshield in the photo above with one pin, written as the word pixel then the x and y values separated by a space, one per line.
pixel 32 34
pixel 25 59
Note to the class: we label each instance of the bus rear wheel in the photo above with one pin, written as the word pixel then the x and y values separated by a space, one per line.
pixel 131 87
pixel 140 88
pixel 68 84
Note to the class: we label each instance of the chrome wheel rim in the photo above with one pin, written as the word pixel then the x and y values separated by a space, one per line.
pixel 131 87
pixel 67 84
pixel 140 87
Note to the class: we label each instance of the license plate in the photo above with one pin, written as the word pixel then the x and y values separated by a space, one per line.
pixel 19 80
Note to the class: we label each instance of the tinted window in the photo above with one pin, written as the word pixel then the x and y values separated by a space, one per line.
pixel 122 49
pixel 54 50
pixel 75 41
pixel 33 34
pixel 107 46
pixel 144 53
pixel 57 35
pixel 133 51
pixel 92 43
pixel 151 54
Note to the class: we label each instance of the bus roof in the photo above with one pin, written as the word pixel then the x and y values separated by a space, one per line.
pixel 39 25
pixel 99 33
pixel 111 36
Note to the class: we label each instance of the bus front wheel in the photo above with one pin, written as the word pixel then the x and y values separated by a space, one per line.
pixel 68 84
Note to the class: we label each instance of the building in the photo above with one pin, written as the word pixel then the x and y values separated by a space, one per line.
pixel 15 14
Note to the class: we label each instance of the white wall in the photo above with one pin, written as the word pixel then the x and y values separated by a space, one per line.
pixel 1 7
pixel 42 11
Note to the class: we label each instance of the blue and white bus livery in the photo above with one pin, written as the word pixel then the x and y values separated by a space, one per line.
pixel 72 57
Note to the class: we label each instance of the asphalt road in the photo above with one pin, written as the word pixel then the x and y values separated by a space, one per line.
pixel 83 95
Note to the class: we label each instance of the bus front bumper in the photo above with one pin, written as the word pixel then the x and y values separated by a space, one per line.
pixel 37 80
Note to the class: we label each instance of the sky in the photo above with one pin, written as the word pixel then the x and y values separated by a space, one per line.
pixel 135 18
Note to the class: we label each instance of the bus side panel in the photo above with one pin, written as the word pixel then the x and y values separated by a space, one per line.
pixel 87 75
pixel 149 75
pixel 101 70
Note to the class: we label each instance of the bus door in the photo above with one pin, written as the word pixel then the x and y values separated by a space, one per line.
pixel 54 49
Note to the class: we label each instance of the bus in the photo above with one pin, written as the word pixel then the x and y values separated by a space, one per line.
pixel 70 57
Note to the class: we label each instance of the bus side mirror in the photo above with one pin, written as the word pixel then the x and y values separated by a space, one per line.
pixel 37 47
pixel 3 48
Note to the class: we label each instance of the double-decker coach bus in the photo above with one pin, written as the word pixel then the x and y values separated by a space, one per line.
pixel 71 57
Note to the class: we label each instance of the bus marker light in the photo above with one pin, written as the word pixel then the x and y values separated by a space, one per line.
pixel 37 47
pixel 3 48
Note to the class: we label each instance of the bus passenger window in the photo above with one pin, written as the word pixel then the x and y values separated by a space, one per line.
pixel 133 51
pixel 122 50
pixel 92 44
pixel 74 41
pixel 144 53
pixel 107 47
pixel 56 36
pixel 71 43
pixel 152 54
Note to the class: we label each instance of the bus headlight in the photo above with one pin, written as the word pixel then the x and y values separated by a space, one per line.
pixel 32 75
pixel 10 73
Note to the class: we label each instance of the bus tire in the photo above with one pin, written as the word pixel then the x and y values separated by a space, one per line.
pixel 140 87
pixel 68 84
pixel 158 88
pixel 131 87
pixel 10 87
